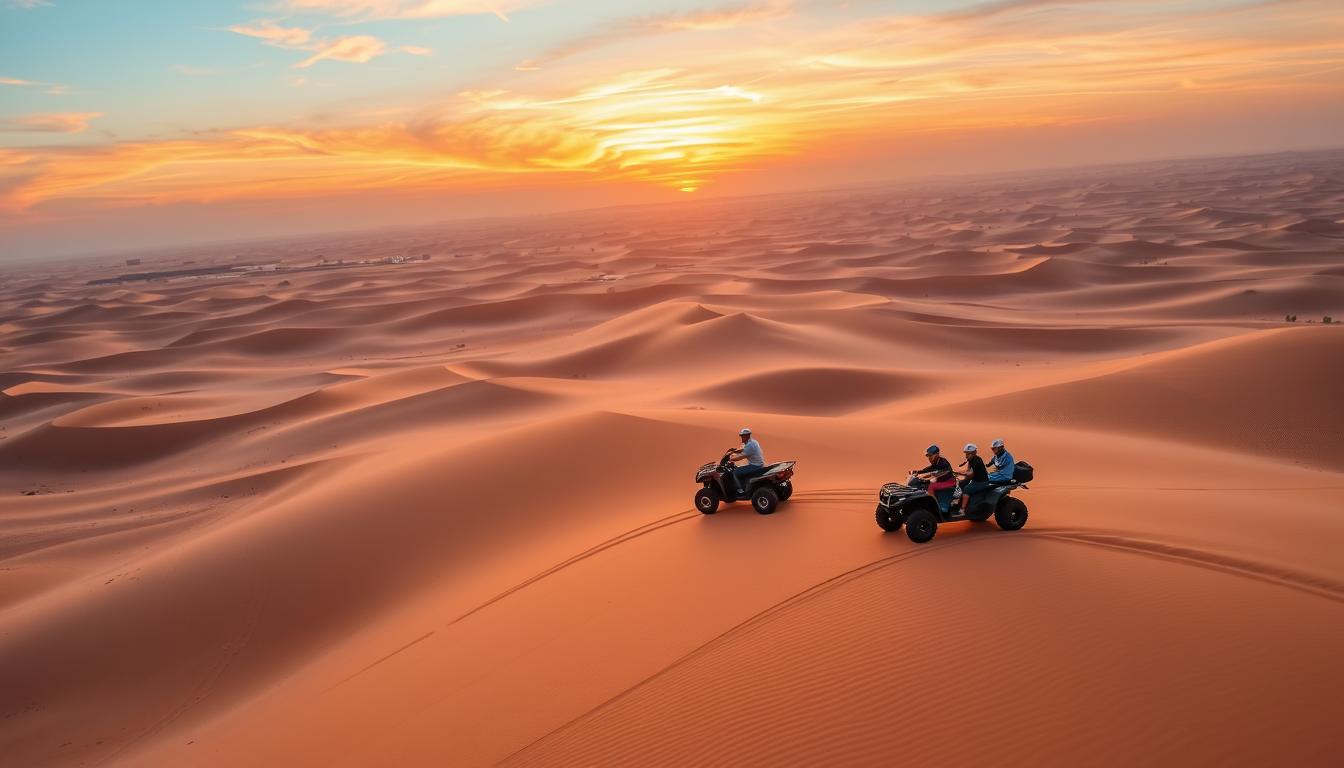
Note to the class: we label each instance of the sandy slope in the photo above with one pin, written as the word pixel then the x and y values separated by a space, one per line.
pixel 439 512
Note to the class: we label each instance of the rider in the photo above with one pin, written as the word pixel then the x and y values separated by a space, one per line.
pixel 1002 462
pixel 977 478
pixel 939 471
pixel 751 451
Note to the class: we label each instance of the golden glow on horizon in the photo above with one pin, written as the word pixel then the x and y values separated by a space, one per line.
pixel 696 118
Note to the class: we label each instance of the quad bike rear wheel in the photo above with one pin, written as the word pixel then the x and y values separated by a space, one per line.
pixel 765 500
pixel 785 490
pixel 920 526
pixel 1011 514
pixel 707 501
pixel 887 521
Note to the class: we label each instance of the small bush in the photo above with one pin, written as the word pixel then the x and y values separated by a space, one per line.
pixel 1327 320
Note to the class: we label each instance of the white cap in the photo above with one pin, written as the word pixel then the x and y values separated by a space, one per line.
pixel 744 431
pixel 997 443
pixel 970 448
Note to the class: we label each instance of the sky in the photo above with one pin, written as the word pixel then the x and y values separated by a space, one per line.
pixel 143 123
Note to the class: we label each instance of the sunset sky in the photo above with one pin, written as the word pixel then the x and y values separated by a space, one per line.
pixel 140 123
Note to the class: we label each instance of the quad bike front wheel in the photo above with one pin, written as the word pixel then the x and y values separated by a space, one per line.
pixel 707 501
pixel 765 500
pixel 920 526
pixel 785 490
pixel 886 520
pixel 1011 514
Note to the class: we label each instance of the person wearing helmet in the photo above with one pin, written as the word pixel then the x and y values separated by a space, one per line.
pixel 975 478
pixel 938 472
pixel 1002 463
pixel 755 466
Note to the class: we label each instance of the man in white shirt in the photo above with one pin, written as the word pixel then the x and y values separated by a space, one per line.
pixel 751 451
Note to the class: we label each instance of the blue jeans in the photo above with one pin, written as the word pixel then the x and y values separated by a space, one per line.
pixel 744 473
pixel 971 487
pixel 1000 477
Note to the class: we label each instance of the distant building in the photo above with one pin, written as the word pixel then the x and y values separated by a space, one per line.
pixel 132 262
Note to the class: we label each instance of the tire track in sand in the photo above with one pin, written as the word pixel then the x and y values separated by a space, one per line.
pixel 816 590
pixel 1308 583
pixel 630 535
pixel 621 538
pixel 1313 584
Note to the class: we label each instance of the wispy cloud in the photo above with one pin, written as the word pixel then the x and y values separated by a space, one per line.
pixel 416 50
pixel 409 9
pixel 717 18
pixel 703 20
pixel 27 4
pixel 358 49
pixel 50 122
pixel 269 31
pixel 52 89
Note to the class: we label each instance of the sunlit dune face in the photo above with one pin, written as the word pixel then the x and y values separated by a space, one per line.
pixel 776 85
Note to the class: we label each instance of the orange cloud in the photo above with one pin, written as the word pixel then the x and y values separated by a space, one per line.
pixel 721 18
pixel 409 9
pixel 645 127
pixel 50 122
pixel 358 49
pixel 355 48
pixel 53 89
pixel 648 26
pixel 289 37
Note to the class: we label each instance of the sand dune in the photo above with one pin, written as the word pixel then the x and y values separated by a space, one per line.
pixel 439 512
pixel 1185 396
pixel 817 391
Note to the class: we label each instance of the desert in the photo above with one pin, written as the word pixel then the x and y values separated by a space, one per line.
pixel 423 496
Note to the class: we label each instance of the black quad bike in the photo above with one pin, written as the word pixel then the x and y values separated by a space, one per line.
pixel 766 490
pixel 910 504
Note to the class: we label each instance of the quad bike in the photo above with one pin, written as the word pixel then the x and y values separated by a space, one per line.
pixel 766 490
pixel 911 505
